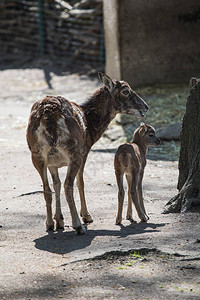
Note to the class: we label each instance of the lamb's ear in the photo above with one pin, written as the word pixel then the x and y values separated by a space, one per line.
pixel 143 128
pixel 107 81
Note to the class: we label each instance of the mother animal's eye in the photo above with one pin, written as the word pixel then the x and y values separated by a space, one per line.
pixel 151 134
pixel 125 92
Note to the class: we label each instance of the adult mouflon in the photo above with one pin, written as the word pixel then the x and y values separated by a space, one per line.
pixel 61 133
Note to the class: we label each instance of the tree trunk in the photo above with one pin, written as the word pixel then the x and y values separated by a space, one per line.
pixel 188 198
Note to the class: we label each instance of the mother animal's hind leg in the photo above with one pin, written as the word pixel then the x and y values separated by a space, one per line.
pixel 73 168
pixel 57 187
pixel 42 170
pixel 86 217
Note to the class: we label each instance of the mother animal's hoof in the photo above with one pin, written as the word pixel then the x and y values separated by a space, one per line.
pixel 87 219
pixel 80 230
pixel 118 221
pixel 131 219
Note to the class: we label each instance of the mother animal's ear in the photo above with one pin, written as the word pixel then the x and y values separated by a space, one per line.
pixel 107 81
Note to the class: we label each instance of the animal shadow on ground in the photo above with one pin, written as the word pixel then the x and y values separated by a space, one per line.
pixel 65 242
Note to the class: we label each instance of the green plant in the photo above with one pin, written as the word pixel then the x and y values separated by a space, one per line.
pixel 136 255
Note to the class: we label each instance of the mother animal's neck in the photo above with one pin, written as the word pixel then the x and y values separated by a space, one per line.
pixel 99 112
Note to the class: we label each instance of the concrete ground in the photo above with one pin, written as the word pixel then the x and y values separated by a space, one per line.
pixel 34 262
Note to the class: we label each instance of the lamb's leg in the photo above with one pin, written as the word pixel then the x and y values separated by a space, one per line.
pixel 132 187
pixel 68 185
pixel 57 187
pixel 129 215
pixel 140 195
pixel 119 178
pixel 86 217
pixel 42 169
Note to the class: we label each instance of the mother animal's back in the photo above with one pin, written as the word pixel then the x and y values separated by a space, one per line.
pixel 55 127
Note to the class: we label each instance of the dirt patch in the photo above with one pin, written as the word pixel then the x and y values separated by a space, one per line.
pixel 36 264
pixel 144 274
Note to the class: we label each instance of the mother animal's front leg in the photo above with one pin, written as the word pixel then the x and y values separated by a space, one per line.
pixel 69 194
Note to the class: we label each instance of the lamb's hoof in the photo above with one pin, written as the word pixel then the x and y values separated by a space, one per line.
pixel 50 226
pixel 59 221
pixel 60 225
pixel 80 230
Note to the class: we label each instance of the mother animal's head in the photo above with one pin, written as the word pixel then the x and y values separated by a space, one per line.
pixel 126 101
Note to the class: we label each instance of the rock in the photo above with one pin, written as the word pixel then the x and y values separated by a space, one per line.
pixel 171 132
pixel 114 133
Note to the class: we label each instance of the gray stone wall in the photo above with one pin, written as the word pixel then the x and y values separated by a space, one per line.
pixel 158 41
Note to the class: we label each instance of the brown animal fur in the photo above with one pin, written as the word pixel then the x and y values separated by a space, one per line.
pixel 130 159
pixel 61 133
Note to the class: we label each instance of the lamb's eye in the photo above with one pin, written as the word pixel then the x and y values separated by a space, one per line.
pixel 151 134
pixel 125 92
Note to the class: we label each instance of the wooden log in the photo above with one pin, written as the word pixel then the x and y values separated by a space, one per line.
pixel 72 31
pixel 25 40
pixel 88 3
pixel 64 4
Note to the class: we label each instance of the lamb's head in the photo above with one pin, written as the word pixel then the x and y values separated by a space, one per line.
pixel 148 135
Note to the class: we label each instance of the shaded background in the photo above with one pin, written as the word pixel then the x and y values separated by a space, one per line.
pixel 153 45
pixel 147 42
